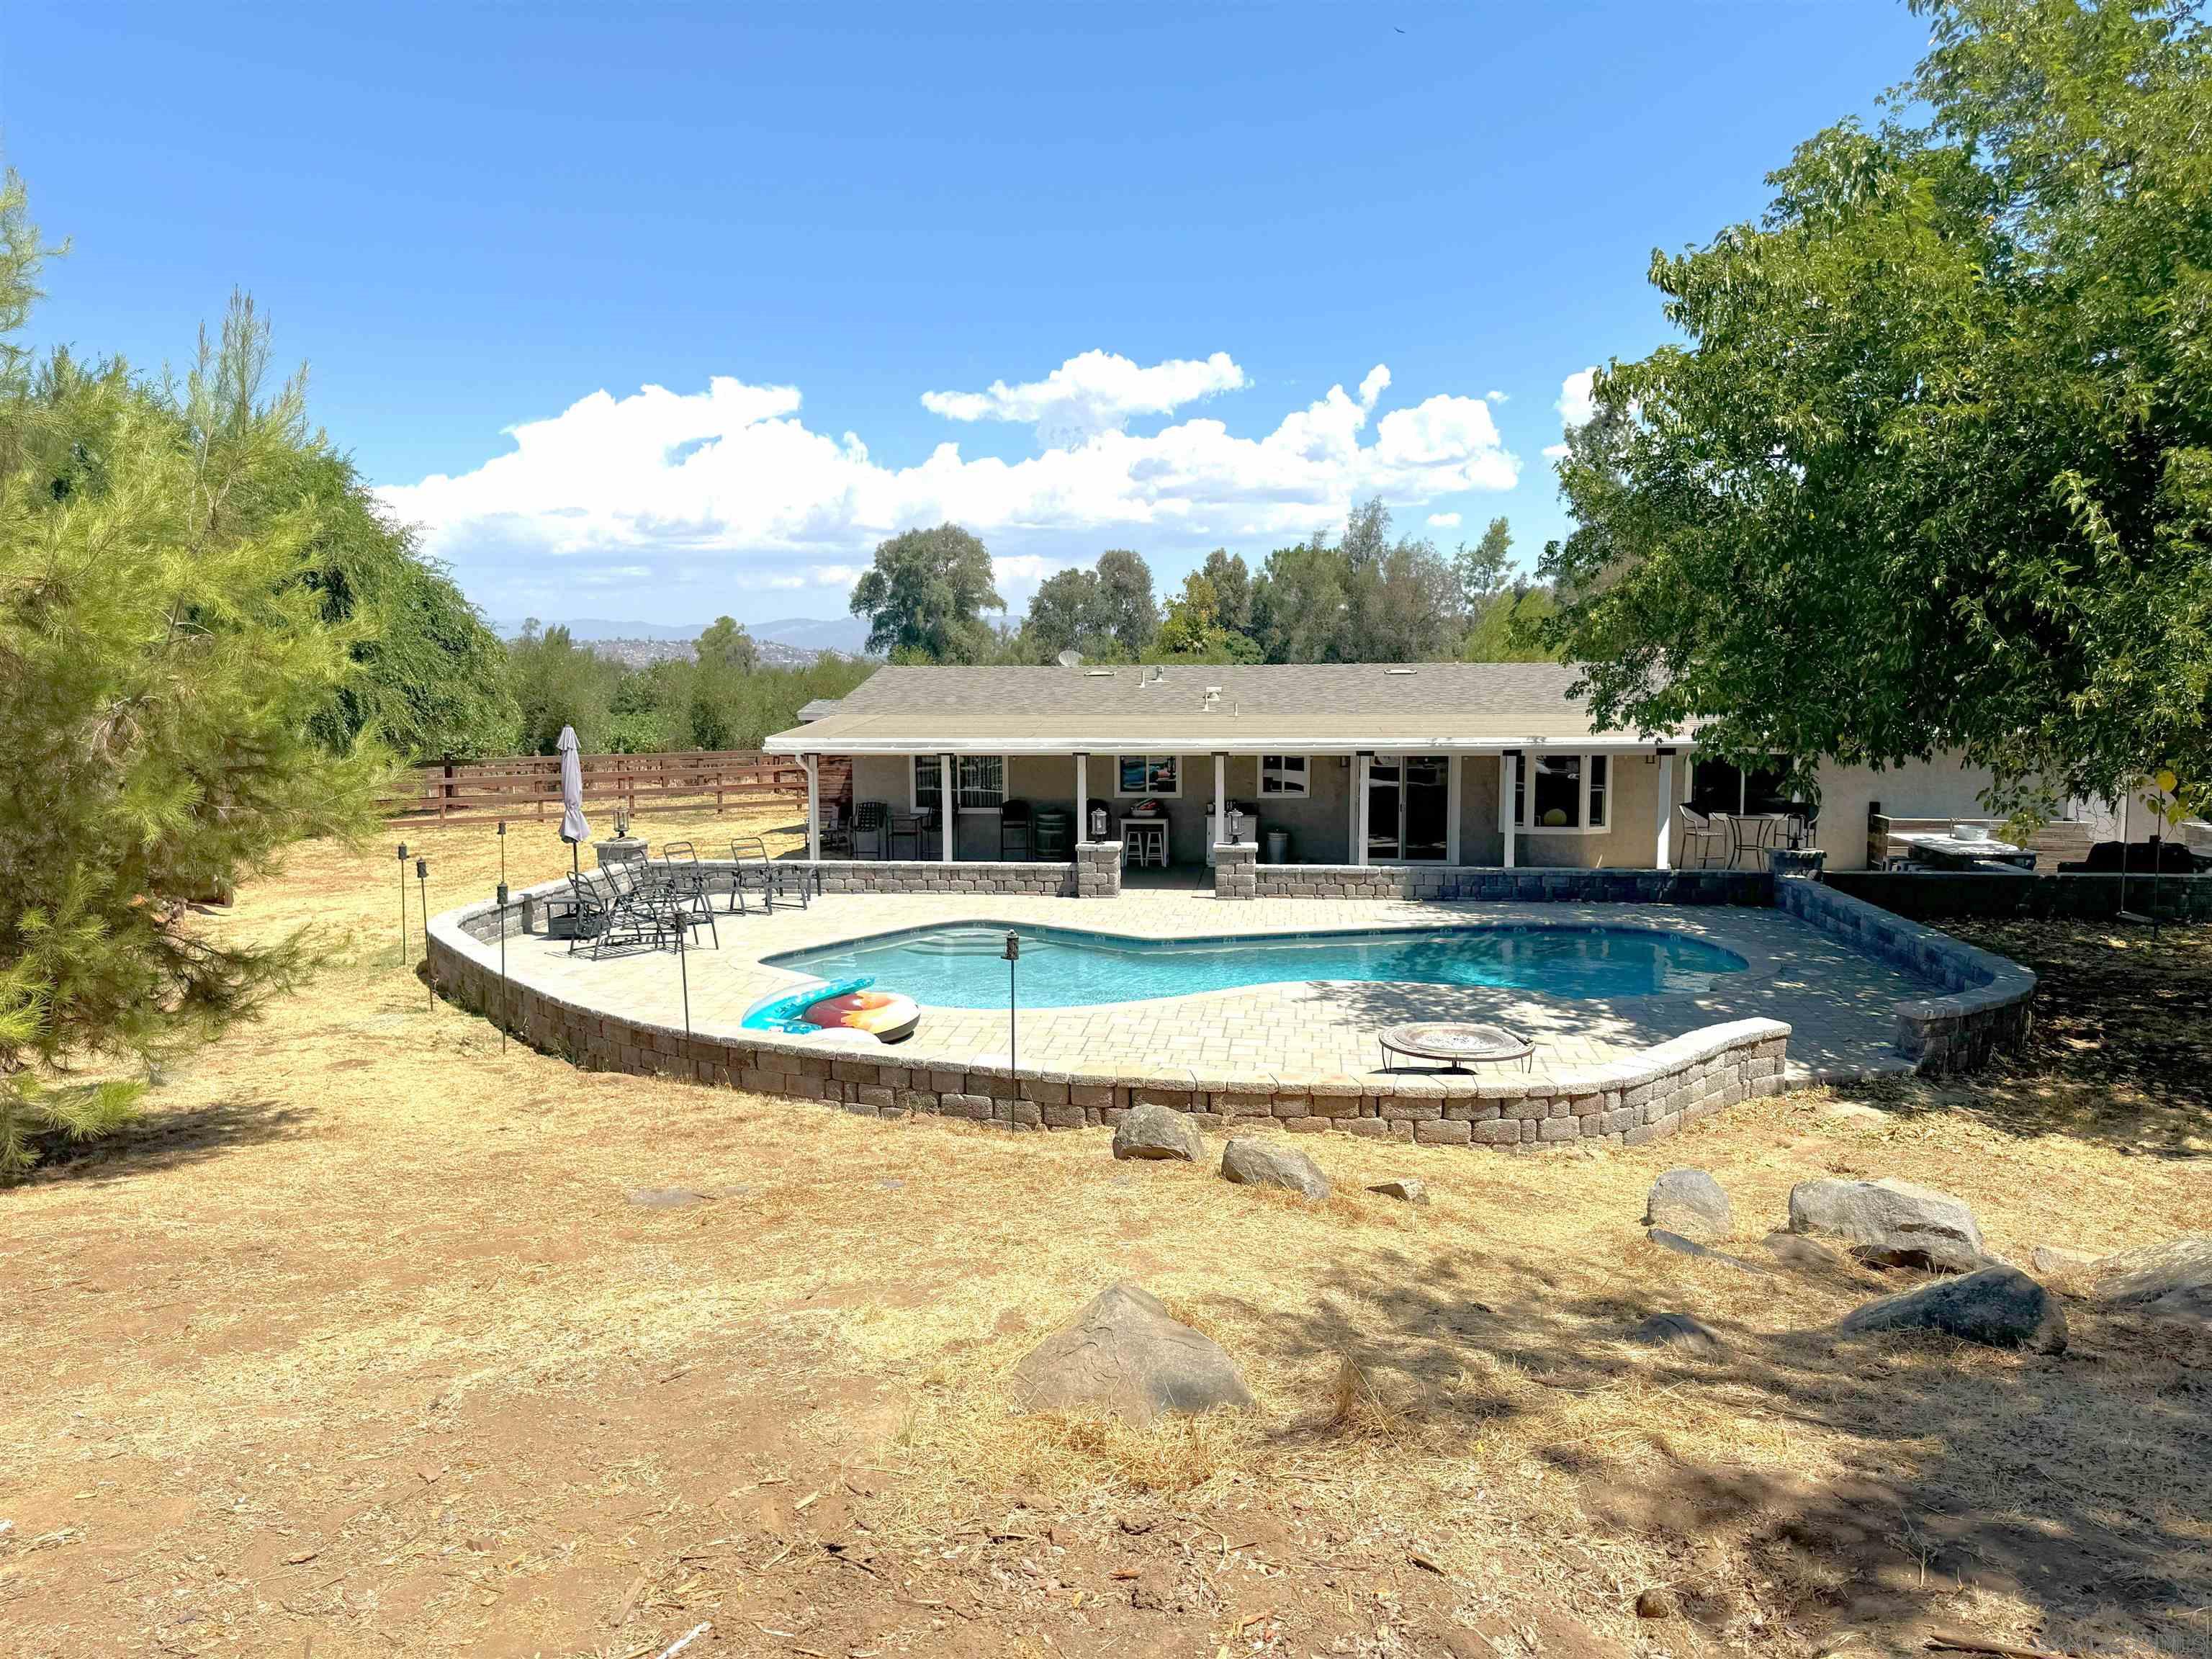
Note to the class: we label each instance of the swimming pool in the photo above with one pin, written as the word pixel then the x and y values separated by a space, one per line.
pixel 961 966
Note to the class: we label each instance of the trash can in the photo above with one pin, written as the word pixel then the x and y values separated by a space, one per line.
pixel 1279 846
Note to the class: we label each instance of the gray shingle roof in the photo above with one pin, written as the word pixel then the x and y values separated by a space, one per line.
pixel 1434 707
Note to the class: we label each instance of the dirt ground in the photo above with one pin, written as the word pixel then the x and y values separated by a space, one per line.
pixel 361 1345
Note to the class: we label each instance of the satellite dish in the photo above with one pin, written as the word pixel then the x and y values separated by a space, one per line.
pixel 1070 659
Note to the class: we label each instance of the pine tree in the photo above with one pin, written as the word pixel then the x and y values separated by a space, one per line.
pixel 162 657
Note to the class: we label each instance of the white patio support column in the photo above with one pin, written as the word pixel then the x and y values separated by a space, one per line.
pixel 1082 795
pixel 1665 841
pixel 1452 809
pixel 1508 781
pixel 1359 774
pixel 948 796
pixel 813 765
pixel 1220 797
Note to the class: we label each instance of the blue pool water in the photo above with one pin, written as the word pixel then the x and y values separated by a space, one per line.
pixel 962 967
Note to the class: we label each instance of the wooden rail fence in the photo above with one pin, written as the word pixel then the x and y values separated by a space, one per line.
pixel 529 785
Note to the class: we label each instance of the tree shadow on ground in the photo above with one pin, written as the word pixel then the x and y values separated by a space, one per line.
pixel 2120 1051
pixel 1799 1480
pixel 168 1140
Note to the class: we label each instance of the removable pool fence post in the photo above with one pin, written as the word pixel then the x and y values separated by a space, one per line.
pixel 1013 954
pixel 403 905
pixel 683 971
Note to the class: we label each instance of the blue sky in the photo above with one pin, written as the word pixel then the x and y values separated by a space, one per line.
pixel 1162 233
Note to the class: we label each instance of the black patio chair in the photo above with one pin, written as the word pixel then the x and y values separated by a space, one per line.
pixel 871 828
pixel 689 886
pixel 752 870
pixel 1016 830
pixel 834 830
pixel 609 917
pixel 908 827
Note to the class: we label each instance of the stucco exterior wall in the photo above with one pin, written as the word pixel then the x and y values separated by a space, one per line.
pixel 1941 787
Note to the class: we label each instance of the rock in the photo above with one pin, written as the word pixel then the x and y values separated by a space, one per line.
pixel 1673 1330
pixel 665 1198
pixel 2054 1261
pixel 1682 1246
pixel 1157 1131
pixel 1998 1307
pixel 1891 1224
pixel 1125 1355
pixel 1250 1161
pixel 2162 1281
pixel 1405 1188
pixel 1795 1250
pixel 1656 1602
pixel 1689 1202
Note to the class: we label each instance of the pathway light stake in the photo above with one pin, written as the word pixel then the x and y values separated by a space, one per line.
pixel 422 886
pixel 1013 954
pixel 502 860
pixel 684 972
pixel 403 905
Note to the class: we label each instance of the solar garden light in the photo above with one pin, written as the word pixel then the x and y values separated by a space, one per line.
pixel 502 860
pixel 1013 954
pixel 502 936
pixel 403 905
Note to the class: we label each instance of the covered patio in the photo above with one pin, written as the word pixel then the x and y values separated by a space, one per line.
pixel 1450 764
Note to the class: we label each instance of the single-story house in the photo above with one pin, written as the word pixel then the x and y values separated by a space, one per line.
pixel 1452 763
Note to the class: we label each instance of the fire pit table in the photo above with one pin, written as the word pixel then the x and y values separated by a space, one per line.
pixel 1457 1045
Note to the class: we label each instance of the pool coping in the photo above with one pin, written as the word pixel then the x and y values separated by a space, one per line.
pixel 1630 1100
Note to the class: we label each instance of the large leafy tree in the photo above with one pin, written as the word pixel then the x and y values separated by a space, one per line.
pixel 1932 468
pixel 164 654
pixel 1364 598
pixel 925 597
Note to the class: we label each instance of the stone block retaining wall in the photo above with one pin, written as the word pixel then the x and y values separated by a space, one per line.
pixel 1536 885
pixel 1632 1101
pixel 1986 1009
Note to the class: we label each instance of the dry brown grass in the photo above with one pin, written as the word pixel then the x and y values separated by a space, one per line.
pixel 367 1290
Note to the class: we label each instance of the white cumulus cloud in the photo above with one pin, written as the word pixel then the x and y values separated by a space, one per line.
pixel 1096 391
pixel 1575 405
pixel 728 486
pixel 1443 520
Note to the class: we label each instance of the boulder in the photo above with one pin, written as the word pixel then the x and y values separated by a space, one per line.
pixel 1157 1131
pixel 1405 1188
pixel 1891 1224
pixel 2056 1261
pixel 1250 1161
pixel 1997 1307
pixel 2162 1281
pixel 1801 1255
pixel 1689 1202
pixel 1127 1356
pixel 1675 1330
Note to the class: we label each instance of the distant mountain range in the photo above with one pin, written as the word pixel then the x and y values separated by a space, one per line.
pixel 802 636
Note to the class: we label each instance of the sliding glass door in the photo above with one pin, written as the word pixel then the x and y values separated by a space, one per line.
pixel 1408 808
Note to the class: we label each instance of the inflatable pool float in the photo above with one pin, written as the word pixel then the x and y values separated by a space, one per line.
pixel 886 1014
pixel 786 1010
pixel 845 1009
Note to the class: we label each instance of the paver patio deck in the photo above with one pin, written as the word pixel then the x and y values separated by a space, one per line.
pixel 1838 1004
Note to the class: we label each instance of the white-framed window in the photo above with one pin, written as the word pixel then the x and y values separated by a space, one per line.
pixel 1562 794
pixel 1283 774
pixel 1147 774
pixel 979 782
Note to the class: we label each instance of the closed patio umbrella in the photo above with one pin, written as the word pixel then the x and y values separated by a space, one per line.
pixel 573 827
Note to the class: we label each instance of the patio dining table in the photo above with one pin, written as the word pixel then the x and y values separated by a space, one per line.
pixel 1755 833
